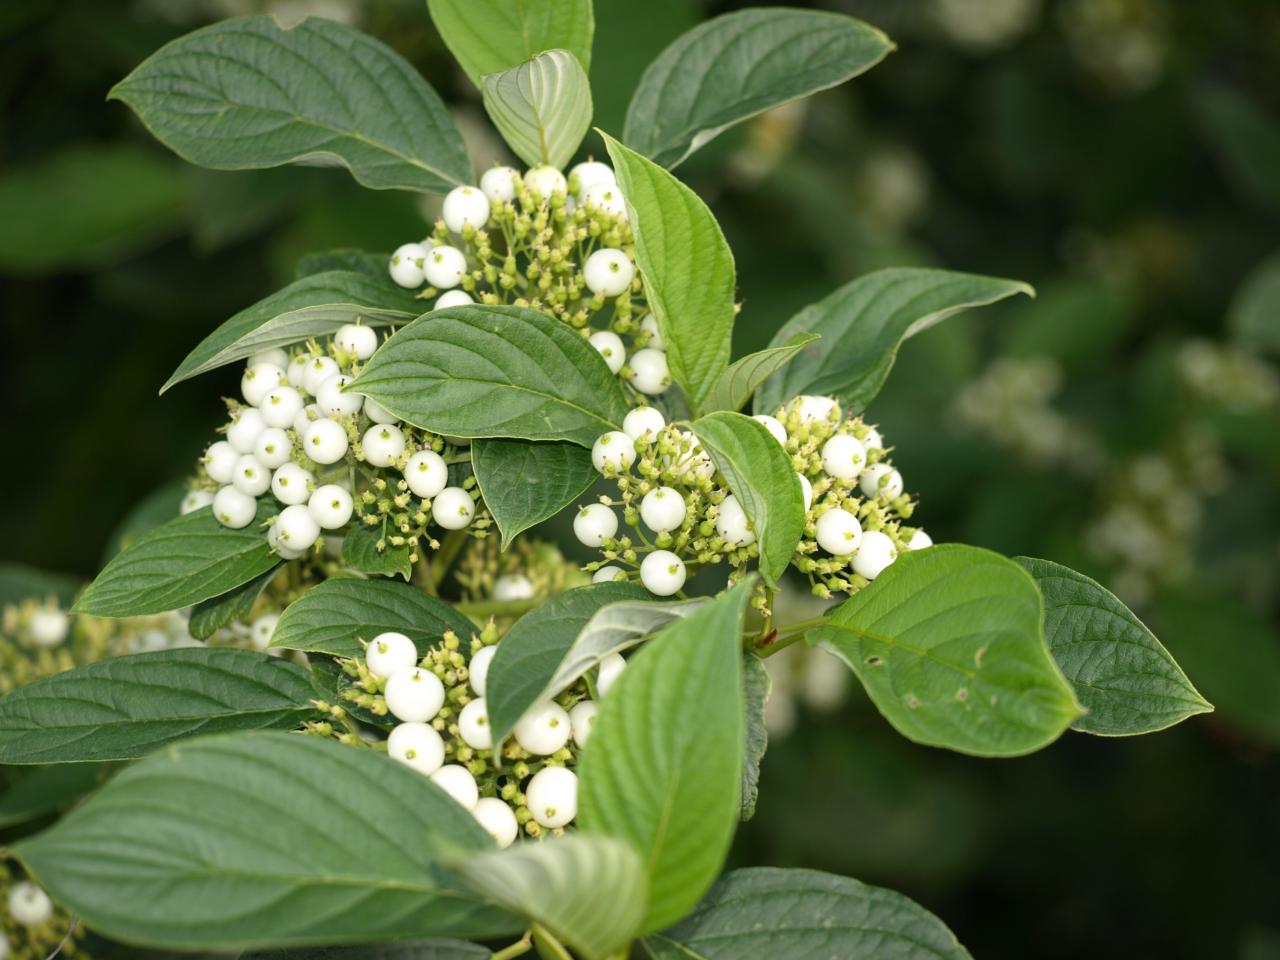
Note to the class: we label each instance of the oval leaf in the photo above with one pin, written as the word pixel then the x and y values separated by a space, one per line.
pixel 247 93
pixel 489 36
pixel 314 306
pixel 763 478
pixel 756 686
pixel 334 616
pixel 949 643
pixel 687 268
pixel 406 950
pixel 360 552
pixel 125 707
pixel 533 650
pixel 736 66
pixel 1121 673
pixel 734 387
pixel 524 483
pixel 588 891
pixel 667 785
pixel 189 559
pixel 864 323
pixel 210 616
pixel 1254 314
pixel 495 371
pixel 542 108
pixel 261 840
pixel 763 913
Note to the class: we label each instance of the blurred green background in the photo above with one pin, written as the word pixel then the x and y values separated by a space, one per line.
pixel 1121 155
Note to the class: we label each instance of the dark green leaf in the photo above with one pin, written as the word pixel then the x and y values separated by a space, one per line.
pixel 261 840
pixel 756 687
pixel 210 616
pixel 949 643
pixel 360 552
pixel 740 379
pixel 524 483
pixel 19 582
pixel 347 258
pixel 542 108
pixel 495 371
pixel 246 94
pixel 407 950
pixel 489 36
pixel 189 559
pixel 157 507
pixel 1247 137
pixel 125 707
pixel 738 65
pixel 864 323
pixel 663 767
pixel 40 791
pixel 1122 675
pixel 1254 314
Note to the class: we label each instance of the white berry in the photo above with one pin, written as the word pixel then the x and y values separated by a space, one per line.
pixel 233 508
pixel 357 339
pixel 274 355
pixel 263 629
pixel 280 547
pixel 873 440
pixel 406 264
pixel 499 184
pixel 806 491
pixel 497 819
pixel 289 484
pixel 774 426
pixel 608 272
pixel 325 441
pixel 813 409
pixel 330 506
pixel 881 481
pixel 545 180
pixel 453 508
pixel 594 524
pixel 48 627
pixel 473 725
pixel 591 172
pixel 874 554
pixel 305 417
pixel 333 402
pixel 453 298
pixel 609 345
pixel 465 206
pixel 250 476
pixel 416 745
pixel 606 574
pixel 513 586
pixel 606 197
pixel 444 267
pixel 297 370
pixel 662 573
pixel 390 653
pixel 732 525
pixel 649 372
pixel 613 452
pixel 457 781
pixel 273 448
pixel 649 325
pixel 298 528
pixel 377 412
pixel 220 461
pixel 244 430
pixel 839 532
pixel 382 444
pixel 662 509
pixel 29 905
pixel 194 500
pixel 414 695
pixel 281 406
pixel 426 473
pixel 258 379
pixel 611 667
pixel 543 729
pixel 552 796
pixel 582 718
pixel 843 457
pixel 919 540
pixel 319 369
pixel 478 668
pixel 643 422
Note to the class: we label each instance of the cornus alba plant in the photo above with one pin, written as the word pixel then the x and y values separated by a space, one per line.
pixel 464 745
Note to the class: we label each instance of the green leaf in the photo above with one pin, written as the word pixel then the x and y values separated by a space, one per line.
pixel 1254 314
pixel 246 93
pixel 20 582
pixel 738 65
pixel 524 483
pixel 763 478
pixel 764 913
pixel 687 268
pixel 755 695
pixel 210 616
pixel 314 306
pixel 1247 137
pixel 335 615
pixel 588 891
pixel 157 507
pixel 345 258
pixel 495 371
pixel 39 791
pixel 179 563
pixel 260 840
pixel 530 655
pixel 125 707
pixel 949 643
pixel 740 379
pixel 406 950
pixel 489 36
pixel 87 205
pixel 864 323
pixel 542 108
pixel 1122 675
pixel 360 552
pixel 663 767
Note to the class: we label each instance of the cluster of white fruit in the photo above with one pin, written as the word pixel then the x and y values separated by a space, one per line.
pixel 28 911
pixel 299 437
pixel 444 733
pixel 544 217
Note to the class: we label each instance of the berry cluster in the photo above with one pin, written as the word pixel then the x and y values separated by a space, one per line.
pixel 442 729
pixel 327 456
pixel 31 926
pixel 683 516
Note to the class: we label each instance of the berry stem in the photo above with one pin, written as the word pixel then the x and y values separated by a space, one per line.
pixel 517 949
pixel 443 559
pixel 788 635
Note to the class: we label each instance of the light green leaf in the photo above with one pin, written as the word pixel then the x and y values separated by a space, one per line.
pixel 588 891
pixel 125 707
pixel 542 108
pixel 335 615
pixel 261 840
pixel 949 643
pixel 1122 675
pixel 314 306
pixel 740 379
pixel 663 767
pixel 687 268
pixel 763 913
pixel 247 93
pixel 533 650
pixel 360 552
pixel 864 323
pixel 524 483
pixel 189 559
pixel 1254 314
pixel 495 371
pixel 755 695
pixel 405 950
pixel 86 205
pixel 763 478
pixel 738 65
pixel 489 36
pixel 210 616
